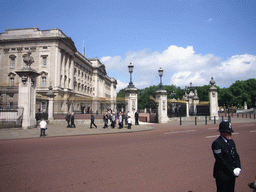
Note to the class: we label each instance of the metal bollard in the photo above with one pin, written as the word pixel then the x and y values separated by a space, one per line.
pixel 222 118
pixel 205 120
pixel 180 121
pixel 195 120
pixel 214 119
pixel 229 119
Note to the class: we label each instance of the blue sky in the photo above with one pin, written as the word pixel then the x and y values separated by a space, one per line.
pixel 192 40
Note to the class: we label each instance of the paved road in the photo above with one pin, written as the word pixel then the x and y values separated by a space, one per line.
pixel 167 158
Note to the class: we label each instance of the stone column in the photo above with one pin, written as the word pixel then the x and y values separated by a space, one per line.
pixel 72 73
pixel 187 109
pixel 50 109
pixel 63 65
pixel 161 97
pixel 131 101
pixel 195 102
pixel 51 95
pixel 58 67
pixel 213 98
pixel 95 105
pixel 27 92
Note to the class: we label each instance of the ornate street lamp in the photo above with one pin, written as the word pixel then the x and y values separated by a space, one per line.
pixel 160 72
pixel 130 67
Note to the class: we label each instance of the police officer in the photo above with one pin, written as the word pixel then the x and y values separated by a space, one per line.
pixel 227 162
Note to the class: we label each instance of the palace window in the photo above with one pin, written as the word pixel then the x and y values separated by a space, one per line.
pixel 12 61
pixel 11 81
pixel 43 82
pixel 44 60
pixel 44 106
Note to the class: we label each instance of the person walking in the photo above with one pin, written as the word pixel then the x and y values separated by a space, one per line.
pixel 136 118
pixel 123 117
pixel 43 127
pixel 68 117
pixel 227 165
pixel 72 120
pixel 113 119
pixel 92 122
pixel 126 118
pixel 120 121
pixel 105 119
pixel 129 121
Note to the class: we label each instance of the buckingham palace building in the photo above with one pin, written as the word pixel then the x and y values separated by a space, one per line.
pixel 80 84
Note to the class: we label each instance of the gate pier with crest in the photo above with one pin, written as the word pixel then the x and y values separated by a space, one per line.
pixel 27 92
pixel 131 96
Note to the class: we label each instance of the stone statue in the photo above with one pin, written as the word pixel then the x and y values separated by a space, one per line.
pixel 28 60
pixel 212 82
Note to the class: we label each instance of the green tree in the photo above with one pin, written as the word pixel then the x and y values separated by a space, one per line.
pixel 244 91
pixel 202 92
pixel 121 93
pixel 236 94
pixel 225 96
pixel 144 97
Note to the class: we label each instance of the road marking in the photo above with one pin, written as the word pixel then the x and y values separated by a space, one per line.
pixel 180 132
pixel 212 136
pixel 253 131
pixel 207 137
pixel 247 125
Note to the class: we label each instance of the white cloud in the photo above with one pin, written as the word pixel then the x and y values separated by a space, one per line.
pixel 181 66
pixel 209 20
pixel 120 85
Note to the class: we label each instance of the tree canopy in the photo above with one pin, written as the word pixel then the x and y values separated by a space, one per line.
pixel 238 93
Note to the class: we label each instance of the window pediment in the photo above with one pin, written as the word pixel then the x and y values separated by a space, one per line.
pixel 11 74
pixel 43 73
pixel 12 56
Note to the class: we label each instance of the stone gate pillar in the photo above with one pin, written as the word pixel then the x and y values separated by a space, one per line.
pixel 51 96
pixel 131 101
pixel 161 97
pixel 213 98
pixel 27 92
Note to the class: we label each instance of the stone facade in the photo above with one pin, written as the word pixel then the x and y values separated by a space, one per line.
pixel 79 83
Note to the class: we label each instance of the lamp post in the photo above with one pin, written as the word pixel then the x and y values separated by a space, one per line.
pixel 160 72
pixel 130 67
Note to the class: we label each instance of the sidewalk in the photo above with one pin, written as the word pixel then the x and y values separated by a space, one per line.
pixel 58 128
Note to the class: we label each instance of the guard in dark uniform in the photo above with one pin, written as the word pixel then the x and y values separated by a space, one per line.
pixel 136 118
pixel 227 162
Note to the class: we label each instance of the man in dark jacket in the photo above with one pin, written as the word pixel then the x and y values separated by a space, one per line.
pixel 92 122
pixel 72 118
pixel 105 119
pixel 227 161
pixel 68 117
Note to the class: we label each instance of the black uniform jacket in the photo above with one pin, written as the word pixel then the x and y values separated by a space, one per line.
pixel 226 159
